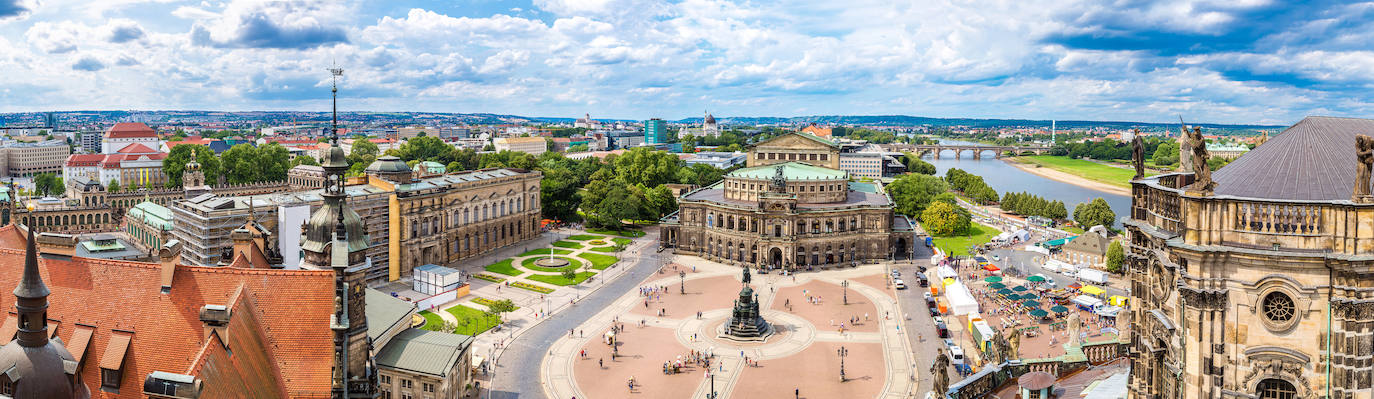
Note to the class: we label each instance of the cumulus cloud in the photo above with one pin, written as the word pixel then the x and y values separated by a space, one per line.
pixel 89 64
pixel 273 25
pixel 15 8
pixel 53 38
pixel 124 30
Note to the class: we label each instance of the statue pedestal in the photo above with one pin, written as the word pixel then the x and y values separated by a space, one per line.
pixel 1363 199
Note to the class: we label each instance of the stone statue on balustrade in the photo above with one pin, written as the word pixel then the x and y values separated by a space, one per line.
pixel 1138 155
pixel 1202 174
pixel 1364 154
pixel 939 372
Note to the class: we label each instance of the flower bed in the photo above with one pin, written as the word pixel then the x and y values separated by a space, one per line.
pixel 488 277
pixel 531 287
pixel 486 302
pixel 596 242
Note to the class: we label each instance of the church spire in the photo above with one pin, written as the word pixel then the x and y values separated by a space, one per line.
pixel 32 300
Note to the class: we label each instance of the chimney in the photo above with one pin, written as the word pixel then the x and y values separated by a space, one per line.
pixel 168 257
pixel 243 243
pixel 216 319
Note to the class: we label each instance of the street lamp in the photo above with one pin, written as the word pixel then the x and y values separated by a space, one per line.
pixel 842 352
pixel 845 285
pixel 712 394
pixel 682 281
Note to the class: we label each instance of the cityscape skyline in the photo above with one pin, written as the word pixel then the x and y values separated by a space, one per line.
pixel 1225 62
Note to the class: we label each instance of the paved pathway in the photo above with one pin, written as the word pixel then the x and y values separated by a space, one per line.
pixel 559 381
pixel 516 372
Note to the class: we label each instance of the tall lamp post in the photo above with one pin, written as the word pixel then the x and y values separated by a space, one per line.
pixel 845 285
pixel 682 281
pixel 842 352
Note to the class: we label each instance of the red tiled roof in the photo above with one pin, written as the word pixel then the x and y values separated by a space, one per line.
pixel 188 140
pixel 76 160
pixel 288 310
pixel 137 148
pixel 130 130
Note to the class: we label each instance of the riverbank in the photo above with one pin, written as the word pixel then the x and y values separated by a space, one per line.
pixel 1099 180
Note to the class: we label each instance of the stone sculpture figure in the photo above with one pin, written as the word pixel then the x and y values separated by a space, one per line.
pixel 1014 344
pixel 939 372
pixel 1073 325
pixel 1138 155
pixel 1185 148
pixel 1202 174
pixel 1001 348
pixel 1364 153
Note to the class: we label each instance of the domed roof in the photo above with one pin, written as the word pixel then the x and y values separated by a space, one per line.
pixel 1313 160
pixel 42 371
pixel 710 119
pixel 388 164
pixel 334 158
pixel 319 229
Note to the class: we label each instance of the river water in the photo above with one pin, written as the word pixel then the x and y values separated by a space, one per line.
pixel 1006 178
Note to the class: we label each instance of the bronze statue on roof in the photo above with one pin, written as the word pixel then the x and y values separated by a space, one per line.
pixel 1364 153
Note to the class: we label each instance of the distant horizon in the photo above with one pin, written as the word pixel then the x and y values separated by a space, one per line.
pixel 1257 62
pixel 723 117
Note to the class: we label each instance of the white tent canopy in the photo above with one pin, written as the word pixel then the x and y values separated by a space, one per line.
pixel 961 301
pixel 946 272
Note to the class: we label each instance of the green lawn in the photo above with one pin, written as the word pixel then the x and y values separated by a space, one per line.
pixel 1120 177
pixel 567 244
pixel 1072 229
pixel 529 264
pixel 503 267
pixel 586 237
pixel 471 321
pixel 486 302
pixel 559 280
pixel 432 320
pixel 958 245
pixel 531 287
pixel 622 233
pixel 622 241
pixel 599 262
pixel 545 251
pixel 603 249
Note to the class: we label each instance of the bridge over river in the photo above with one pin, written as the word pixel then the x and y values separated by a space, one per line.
pixel 977 149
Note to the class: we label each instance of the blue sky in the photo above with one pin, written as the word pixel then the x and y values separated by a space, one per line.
pixel 1229 61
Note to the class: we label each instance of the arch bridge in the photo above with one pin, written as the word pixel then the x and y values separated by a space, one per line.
pixel 997 150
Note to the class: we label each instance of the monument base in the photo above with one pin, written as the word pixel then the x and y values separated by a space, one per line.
pixel 758 333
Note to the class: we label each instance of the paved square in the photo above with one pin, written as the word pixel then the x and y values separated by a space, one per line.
pixel 801 355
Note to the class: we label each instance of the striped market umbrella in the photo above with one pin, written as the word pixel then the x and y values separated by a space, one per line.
pixel 1036 279
pixel 997 286
pixel 993 279
pixel 1059 309
pixel 1038 313
pixel 1020 288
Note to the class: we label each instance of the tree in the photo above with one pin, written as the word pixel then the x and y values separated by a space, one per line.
pixel 646 166
pixel 1217 162
pixel 425 149
pixel 240 164
pixel 659 201
pixel 578 148
pixel 912 193
pixel 915 164
pixel 943 219
pixel 48 184
pixel 112 186
pixel 569 274
pixel 304 160
pixel 508 159
pixel 363 153
pixel 1115 256
pixel 273 162
pixel 618 204
pixel 559 194
pixel 1166 154
pixel 174 165
pixel 1096 212
pixel 699 174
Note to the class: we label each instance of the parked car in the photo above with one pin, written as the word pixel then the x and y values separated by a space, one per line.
pixel 934 310
pixel 941 329
pixel 956 354
pixel 897 282
pixel 930 299
pixel 922 280
pixel 896 273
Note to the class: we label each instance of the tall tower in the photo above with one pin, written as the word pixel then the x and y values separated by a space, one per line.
pixel 334 239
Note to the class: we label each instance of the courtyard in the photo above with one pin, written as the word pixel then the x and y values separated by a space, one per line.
pixel 663 335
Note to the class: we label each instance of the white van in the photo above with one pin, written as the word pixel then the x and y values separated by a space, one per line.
pixel 956 354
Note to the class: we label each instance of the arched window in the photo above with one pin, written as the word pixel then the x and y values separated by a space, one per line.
pixel 1276 389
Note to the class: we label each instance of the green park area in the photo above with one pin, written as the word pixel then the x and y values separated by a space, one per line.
pixel 977 234
pixel 432 320
pixel 503 267
pixel 567 244
pixel 585 237
pixel 529 264
pixel 1120 177
pixel 545 251
pixel 599 262
pixel 472 321
pixel 622 233
pixel 559 280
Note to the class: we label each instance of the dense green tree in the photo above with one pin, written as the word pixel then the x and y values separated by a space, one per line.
pixel 304 160
pixel 1115 257
pixel 699 174
pixel 942 219
pixel 646 166
pixel 915 164
pixel 912 193
pixel 1216 162
pixel 1166 154
pixel 659 201
pixel 618 204
pixel 578 148
pixel 508 159
pixel 273 162
pixel 559 195
pixel 48 184
pixel 112 186
pixel 174 165
pixel 1093 213
pixel 425 149
pixel 360 155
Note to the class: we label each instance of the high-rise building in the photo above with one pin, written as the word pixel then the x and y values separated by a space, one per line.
pixel 656 131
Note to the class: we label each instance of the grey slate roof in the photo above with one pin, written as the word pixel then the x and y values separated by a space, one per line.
pixel 384 311
pixel 422 351
pixel 1313 160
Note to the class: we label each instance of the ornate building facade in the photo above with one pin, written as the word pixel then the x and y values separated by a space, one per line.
pixel 788 215
pixel 1257 285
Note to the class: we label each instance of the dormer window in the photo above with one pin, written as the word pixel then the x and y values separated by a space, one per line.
pixel 112 363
